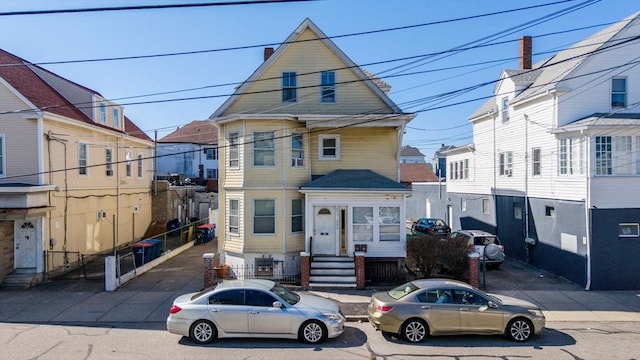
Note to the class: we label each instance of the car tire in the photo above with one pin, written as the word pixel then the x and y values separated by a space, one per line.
pixel 415 330
pixel 203 332
pixel 519 330
pixel 388 335
pixel 312 332
pixel 493 252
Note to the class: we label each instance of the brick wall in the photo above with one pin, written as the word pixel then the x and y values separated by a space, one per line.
pixel 6 248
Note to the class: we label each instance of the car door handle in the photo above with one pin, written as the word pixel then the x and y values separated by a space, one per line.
pixel 214 310
pixel 426 307
pixel 464 309
pixel 254 312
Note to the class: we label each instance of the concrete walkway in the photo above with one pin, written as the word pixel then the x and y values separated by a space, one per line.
pixel 148 297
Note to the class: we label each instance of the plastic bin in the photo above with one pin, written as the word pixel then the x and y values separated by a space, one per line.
pixel 173 227
pixel 143 253
pixel 206 232
pixel 157 246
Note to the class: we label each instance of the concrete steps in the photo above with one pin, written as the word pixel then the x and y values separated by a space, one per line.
pixel 332 272
pixel 21 281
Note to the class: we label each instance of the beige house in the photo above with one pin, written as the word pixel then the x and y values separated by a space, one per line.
pixel 309 153
pixel 75 172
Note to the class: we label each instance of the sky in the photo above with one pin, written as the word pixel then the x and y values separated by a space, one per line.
pixel 424 49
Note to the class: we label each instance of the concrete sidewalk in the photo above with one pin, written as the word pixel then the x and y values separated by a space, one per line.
pixel 148 297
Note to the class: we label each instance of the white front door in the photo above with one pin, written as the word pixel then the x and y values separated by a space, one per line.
pixel 25 246
pixel 324 240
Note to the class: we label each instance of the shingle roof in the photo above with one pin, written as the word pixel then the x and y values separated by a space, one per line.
pixel 195 132
pixel 38 86
pixel 410 151
pixel 410 173
pixel 355 180
pixel 603 120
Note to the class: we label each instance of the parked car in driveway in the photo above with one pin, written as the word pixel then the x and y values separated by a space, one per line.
pixel 254 308
pixel 431 226
pixel 487 245
pixel 420 308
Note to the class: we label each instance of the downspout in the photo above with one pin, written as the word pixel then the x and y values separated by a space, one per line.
pixel 526 186
pixel 308 212
pixel 400 136
pixel 495 177
pixel 155 163
pixel 587 213
pixel 284 188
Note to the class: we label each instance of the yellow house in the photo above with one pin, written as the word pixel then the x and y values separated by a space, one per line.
pixel 75 172
pixel 309 153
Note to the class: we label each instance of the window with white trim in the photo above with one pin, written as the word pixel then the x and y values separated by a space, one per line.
pixel 82 159
pixel 629 230
pixel 108 160
pixel 624 156
pixel 505 109
pixel 264 216
pixel 486 206
pixel 536 161
pixel 618 93
pixel 116 118
pixel 139 165
pixel 211 153
pixel 232 145
pixel 617 155
pixel 128 163
pixel 505 163
pixel 211 173
pixel 234 216
pixel 329 147
pixel 297 215
pixel 297 150
pixel 264 149
pixel 465 168
pixel 103 113
pixel 362 223
pixel 389 223
pixel 289 86
pixel 604 155
pixel 571 156
pixel 328 87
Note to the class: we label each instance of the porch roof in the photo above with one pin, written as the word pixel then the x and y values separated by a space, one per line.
pixel 354 180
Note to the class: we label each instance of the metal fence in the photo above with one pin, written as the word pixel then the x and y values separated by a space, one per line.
pixel 58 263
pixel 278 272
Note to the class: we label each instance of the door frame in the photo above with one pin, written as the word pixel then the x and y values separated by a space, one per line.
pixel 336 232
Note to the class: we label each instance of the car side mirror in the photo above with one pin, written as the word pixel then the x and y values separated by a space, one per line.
pixel 277 304
pixel 492 305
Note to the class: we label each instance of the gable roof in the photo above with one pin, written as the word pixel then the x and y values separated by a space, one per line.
pixel 44 90
pixel 354 180
pixel 410 173
pixel 202 132
pixel 409 150
pixel 290 41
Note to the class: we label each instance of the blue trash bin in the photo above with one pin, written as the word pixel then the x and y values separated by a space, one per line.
pixel 206 231
pixel 173 227
pixel 157 246
pixel 143 253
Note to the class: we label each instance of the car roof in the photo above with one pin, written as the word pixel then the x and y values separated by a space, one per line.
pixel 475 233
pixel 439 283
pixel 247 283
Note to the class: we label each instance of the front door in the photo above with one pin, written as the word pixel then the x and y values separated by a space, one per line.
pixel 25 246
pixel 324 239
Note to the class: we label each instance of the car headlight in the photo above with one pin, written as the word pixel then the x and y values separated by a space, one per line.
pixel 332 316
pixel 536 312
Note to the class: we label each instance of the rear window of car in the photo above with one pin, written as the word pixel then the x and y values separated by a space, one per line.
pixel 402 290
pixel 486 240
pixel 202 292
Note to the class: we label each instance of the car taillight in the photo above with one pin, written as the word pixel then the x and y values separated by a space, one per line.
pixel 174 309
pixel 384 309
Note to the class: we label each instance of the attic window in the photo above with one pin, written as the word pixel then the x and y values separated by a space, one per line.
pixel 289 86
pixel 505 109
pixel 328 87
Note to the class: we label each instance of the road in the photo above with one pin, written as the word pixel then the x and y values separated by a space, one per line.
pixel 563 340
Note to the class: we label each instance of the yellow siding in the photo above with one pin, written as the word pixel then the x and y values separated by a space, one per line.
pixel 232 242
pixel 360 148
pixel 309 57
pixel 232 177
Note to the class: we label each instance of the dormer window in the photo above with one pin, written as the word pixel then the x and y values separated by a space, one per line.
pixel 116 118
pixel 505 109
pixel 103 113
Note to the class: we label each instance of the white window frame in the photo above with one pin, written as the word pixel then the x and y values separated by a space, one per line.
pixel 486 208
pixel 623 155
pixel 297 150
pixel 536 162
pixel 211 173
pixel 388 230
pixel 629 230
pixel 328 87
pixel 615 104
pixel 234 214
pixel 116 118
pixel 102 113
pixel 127 167
pixel 233 146
pixel 139 164
pixel 465 173
pixel 211 153
pixel 3 160
pixel 108 159
pixel 321 148
pixel 505 109
pixel 289 87
pixel 299 216
pixel 265 145
pixel 273 216
pixel 505 163
pixel 83 162
pixel 604 166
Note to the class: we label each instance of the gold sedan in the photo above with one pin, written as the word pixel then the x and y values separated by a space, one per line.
pixel 426 307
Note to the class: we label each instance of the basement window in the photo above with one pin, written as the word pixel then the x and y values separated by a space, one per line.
pixel 629 230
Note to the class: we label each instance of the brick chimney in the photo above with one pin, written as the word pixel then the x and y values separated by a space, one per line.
pixel 525 53
pixel 268 51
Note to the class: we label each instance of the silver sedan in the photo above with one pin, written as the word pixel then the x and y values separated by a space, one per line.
pixel 426 307
pixel 254 308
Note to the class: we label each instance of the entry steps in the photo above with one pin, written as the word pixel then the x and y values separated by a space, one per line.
pixel 332 272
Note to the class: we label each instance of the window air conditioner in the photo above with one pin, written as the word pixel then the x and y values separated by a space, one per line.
pixel 507 172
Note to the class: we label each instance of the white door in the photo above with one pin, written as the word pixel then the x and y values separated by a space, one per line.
pixel 324 239
pixel 25 246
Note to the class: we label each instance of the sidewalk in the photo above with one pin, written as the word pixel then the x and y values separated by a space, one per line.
pixel 148 297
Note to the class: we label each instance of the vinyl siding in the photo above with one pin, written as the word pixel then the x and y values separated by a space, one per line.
pixel 232 242
pixel 308 57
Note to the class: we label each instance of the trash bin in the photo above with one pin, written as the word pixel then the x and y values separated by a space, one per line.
pixel 205 233
pixel 173 227
pixel 143 253
pixel 157 246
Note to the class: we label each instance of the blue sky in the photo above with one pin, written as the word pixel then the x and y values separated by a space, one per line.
pixel 95 35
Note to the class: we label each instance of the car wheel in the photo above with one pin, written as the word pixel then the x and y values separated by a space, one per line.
pixel 312 332
pixel 415 330
pixel 203 332
pixel 388 335
pixel 519 330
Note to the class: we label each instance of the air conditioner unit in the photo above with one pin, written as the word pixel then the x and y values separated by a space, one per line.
pixel 299 162
pixel 109 172
pixel 507 172
pixel 101 215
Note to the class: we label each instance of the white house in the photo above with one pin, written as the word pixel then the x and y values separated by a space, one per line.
pixel 554 167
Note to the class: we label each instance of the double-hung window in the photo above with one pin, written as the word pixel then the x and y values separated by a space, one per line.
pixel 362 223
pixel 536 162
pixel 103 113
pixel 289 86
pixel 212 153
pixel 234 216
pixel 329 147
pixel 604 155
pixel 128 163
pixel 297 150
pixel 617 155
pixel 571 156
pixel 264 216
pixel 108 155
pixel 211 173
pixel 505 109
pixel 618 93
pixel 505 163
pixel 232 144
pixel 116 118
pixel 82 159
pixel 328 87
pixel 264 149
pixel 389 220
pixel 139 165
pixel 297 215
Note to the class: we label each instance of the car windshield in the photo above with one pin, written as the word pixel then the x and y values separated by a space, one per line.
pixel 202 292
pixel 288 295
pixel 402 290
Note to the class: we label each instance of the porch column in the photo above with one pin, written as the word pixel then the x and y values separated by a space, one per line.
pixel 474 265
pixel 360 280
pixel 305 269
pixel 209 274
